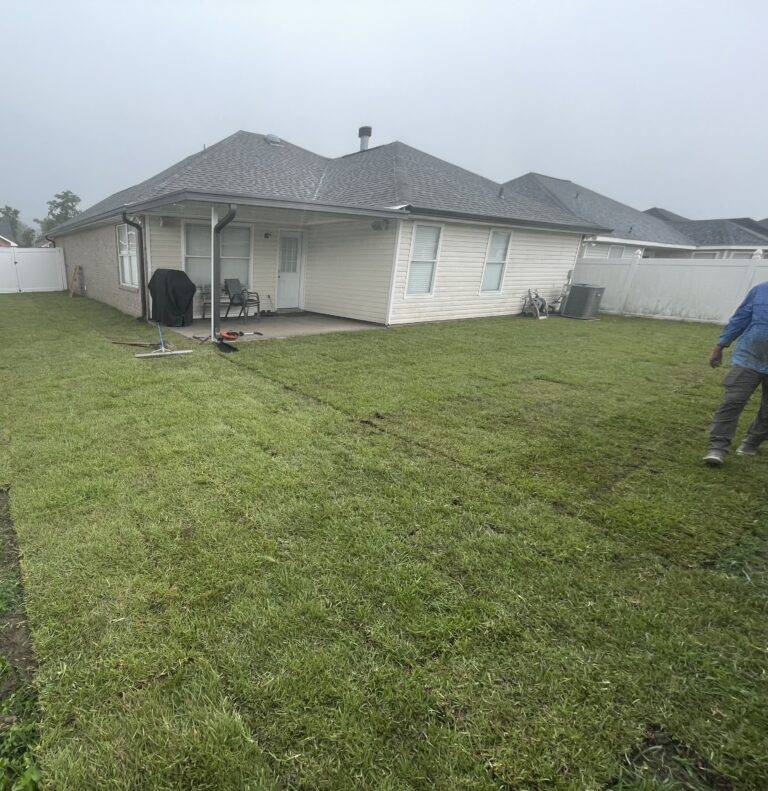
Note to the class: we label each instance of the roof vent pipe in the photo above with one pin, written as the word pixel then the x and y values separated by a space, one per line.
pixel 364 132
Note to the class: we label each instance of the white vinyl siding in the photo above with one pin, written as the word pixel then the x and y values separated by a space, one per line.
pixel 235 253
pixel 495 261
pixel 424 253
pixel 536 259
pixel 348 269
pixel 127 256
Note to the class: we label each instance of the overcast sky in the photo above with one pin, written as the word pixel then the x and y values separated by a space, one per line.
pixel 653 102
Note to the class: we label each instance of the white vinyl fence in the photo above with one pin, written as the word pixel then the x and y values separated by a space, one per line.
pixel 31 269
pixel 691 289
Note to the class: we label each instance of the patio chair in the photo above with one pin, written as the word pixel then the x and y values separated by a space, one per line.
pixel 206 297
pixel 241 297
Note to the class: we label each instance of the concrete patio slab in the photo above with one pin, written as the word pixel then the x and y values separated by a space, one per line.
pixel 281 325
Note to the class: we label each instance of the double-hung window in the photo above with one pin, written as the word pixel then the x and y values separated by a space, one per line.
pixel 127 256
pixel 495 261
pixel 235 253
pixel 421 272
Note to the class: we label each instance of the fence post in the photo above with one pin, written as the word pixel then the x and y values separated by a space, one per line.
pixel 636 258
pixel 754 262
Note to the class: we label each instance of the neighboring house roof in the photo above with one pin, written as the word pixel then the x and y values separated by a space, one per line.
pixel 625 222
pixel 6 232
pixel 751 225
pixel 719 232
pixel 388 177
pixel 664 214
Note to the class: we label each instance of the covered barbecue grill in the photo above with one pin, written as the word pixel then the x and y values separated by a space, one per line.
pixel 172 296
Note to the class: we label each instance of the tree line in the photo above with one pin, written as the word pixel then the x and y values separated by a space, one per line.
pixel 62 207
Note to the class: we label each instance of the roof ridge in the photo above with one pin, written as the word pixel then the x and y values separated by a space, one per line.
pixel 491 182
pixel 398 176
pixel 539 176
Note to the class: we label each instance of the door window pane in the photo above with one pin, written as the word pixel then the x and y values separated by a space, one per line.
pixel 289 253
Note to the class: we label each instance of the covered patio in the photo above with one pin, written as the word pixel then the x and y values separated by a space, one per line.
pixel 278 326
pixel 311 269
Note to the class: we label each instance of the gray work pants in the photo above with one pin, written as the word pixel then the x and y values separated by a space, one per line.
pixel 740 384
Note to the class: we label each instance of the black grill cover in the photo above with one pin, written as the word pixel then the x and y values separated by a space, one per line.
pixel 172 294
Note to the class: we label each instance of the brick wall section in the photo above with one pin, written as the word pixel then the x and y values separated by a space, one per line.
pixel 95 250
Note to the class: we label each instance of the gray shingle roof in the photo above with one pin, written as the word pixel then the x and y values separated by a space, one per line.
pixel 719 232
pixel 625 222
pixel 5 230
pixel 760 228
pixel 247 165
pixel 664 214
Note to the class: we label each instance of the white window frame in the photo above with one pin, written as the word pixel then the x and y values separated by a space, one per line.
pixel 596 250
pixel 129 255
pixel 431 292
pixel 616 247
pixel 706 255
pixel 251 234
pixel 500 290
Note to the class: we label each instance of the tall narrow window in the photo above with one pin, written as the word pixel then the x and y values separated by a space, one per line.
pixel 421 273
pixel 495 261
pixel 235 253
pixel 127 256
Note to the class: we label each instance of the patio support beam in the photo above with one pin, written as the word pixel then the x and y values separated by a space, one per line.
pixel 218 227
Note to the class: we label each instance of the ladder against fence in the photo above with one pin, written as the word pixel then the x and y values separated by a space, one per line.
pixel 691 289
pixel 31 269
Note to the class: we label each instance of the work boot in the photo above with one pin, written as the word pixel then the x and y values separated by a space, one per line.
pixel 745 449
pixel 715 457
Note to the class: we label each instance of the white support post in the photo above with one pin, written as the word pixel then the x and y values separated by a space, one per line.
pixel 214 220
pixel 637 257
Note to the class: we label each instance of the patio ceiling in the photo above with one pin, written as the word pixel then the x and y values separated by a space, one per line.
pixel 201 210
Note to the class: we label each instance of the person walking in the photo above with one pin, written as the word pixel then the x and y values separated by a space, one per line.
pixel 749 370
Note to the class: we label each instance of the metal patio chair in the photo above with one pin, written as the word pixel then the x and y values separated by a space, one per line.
pixel 241 297
pixel 206 297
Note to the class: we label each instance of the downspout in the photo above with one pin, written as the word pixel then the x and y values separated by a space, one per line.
pixel 216 273
pixel 48 239
pixel 140 251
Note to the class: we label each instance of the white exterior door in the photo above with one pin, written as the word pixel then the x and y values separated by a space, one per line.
pixel 289 269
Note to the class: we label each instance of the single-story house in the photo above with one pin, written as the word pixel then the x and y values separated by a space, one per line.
pixel 655 233
pixel 386 234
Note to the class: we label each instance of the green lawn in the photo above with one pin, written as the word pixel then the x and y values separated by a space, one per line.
pixel 477 554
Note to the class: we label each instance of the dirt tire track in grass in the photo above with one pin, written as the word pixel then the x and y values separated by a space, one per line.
pixel 666 762
pixel 374 424
pixel 18 698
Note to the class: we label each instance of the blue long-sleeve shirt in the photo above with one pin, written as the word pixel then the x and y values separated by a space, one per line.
pixel 750 325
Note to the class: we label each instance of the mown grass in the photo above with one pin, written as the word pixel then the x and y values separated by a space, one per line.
pixel 468 555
